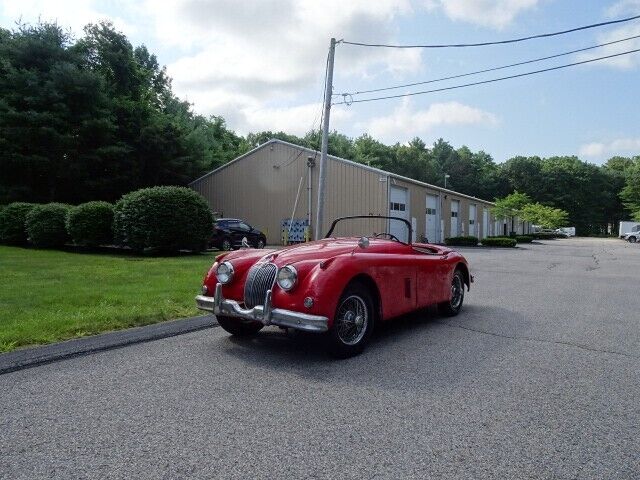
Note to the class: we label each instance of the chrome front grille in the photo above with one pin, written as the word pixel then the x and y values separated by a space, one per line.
pixel 259 279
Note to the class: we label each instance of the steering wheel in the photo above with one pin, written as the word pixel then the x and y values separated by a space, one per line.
pixel 391 236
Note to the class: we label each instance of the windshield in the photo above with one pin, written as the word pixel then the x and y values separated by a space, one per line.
pixel 372 226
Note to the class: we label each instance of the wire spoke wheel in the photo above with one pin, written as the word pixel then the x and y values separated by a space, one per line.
pixel 457 292
pixel 352 320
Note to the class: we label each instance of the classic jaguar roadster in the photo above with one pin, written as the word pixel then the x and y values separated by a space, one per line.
pixel 338 286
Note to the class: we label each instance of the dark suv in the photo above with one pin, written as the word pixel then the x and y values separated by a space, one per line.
pixel 229 232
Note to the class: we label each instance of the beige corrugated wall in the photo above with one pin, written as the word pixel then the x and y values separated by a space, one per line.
pixel 261 188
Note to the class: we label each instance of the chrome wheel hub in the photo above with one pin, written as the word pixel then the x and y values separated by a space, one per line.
pixel 352 320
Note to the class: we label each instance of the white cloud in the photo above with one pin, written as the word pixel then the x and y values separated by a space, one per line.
pixel 240 56
pixel 624 62
pixel 405 122
pixel 73 14
pixel 488 13
pixel 624 7
pixel 629 146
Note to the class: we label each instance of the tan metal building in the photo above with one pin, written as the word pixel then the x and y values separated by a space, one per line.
pixel 277 181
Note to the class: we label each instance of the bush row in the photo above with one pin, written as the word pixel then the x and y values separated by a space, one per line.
pixel 158 219
pixel 468 241
pixel 499 242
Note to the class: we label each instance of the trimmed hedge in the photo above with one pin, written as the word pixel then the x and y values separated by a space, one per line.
pixel 499 242
pixel 46 225
pixel 524 238
pixel 91 224
pixel 468 241
pixel 545 235
pixel 12 223
pixel 163 219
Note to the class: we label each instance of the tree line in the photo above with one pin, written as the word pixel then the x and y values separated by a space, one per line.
pixel 94 118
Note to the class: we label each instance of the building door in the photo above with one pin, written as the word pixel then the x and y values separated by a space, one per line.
pixel 431 231
pixel 473 220
pixel 399 207
pixel 485 223
pixel 455 210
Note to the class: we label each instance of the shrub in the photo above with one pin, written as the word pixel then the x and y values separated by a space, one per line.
pixel 163 219
pixel 91 224
pixel 462 241
pixel 499 242
pixel 545 235
pixel 12 223
pixel 46 225
pixel 524 238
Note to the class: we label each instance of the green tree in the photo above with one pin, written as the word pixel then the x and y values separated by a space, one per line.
pixel 511 207
pixel 543 215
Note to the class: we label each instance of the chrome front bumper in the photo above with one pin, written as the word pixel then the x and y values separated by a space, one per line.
pixel 265 314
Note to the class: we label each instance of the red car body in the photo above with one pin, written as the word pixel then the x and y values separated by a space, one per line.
pixel 400 278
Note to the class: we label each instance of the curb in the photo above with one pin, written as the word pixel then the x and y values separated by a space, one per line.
pixel 33 357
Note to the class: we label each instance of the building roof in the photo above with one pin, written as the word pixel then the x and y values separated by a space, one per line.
pixel 343 160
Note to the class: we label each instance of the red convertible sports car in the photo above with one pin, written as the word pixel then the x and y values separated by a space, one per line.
pixel 338 286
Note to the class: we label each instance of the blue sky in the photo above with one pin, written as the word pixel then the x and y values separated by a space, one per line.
pixel 260 65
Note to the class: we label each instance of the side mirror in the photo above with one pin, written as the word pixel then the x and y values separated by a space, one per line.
pixel 363 242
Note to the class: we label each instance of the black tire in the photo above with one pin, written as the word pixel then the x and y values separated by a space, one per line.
pixel 353 322
pixel 452 307
pixel 632 239
pixel 261 243
pixel 226 245
pixel 239 327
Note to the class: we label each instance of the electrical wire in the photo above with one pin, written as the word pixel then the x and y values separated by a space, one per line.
pixel 493 69
pixel 410 94
pixel 499 42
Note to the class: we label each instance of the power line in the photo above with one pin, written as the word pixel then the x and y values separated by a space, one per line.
pixel 500 42
pixel 360 92
pixel 488 81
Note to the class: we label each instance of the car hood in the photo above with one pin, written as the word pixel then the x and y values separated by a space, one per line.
pixel 319 250
pixel 315 251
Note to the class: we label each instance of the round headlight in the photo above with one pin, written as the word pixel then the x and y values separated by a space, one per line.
pixel 287 277
pixel 224 272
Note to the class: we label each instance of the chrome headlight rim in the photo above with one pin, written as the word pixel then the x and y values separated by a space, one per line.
pixel 226 275
pixel 287 277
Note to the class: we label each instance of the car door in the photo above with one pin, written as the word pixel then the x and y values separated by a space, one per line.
pixel 431 273
pixel 236 232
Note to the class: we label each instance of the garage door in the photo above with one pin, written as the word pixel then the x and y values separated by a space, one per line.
pixel 455 211
pixel 431 231
pixel 473 220
pixel 485 223
pixel 399 207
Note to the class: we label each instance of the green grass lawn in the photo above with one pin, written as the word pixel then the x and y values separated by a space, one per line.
pixel 47 295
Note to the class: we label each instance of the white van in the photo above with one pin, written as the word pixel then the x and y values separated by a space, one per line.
pixel 628 227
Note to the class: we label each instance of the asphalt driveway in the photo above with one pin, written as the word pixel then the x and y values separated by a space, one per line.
pixel 537 378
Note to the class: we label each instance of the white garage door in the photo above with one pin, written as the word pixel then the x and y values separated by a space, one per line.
pixel 431 230
pixel 455 211
pixel 485 223
pixel 473 220
pixel 399 207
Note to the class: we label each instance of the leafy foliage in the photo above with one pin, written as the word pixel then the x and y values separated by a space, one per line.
pixel 499 242
pixel 544 216
pixel 95 118
pixel 12 223
pixel 46 225
pixel 163 220
pixel 467 241
pixel 91 224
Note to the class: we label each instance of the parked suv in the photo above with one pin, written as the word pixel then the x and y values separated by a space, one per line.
pixel 229 232
pixel 631 237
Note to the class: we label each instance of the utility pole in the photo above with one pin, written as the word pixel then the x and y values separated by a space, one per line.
pixel 322 174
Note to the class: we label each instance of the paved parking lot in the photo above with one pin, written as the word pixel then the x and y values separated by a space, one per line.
pixel 537 378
